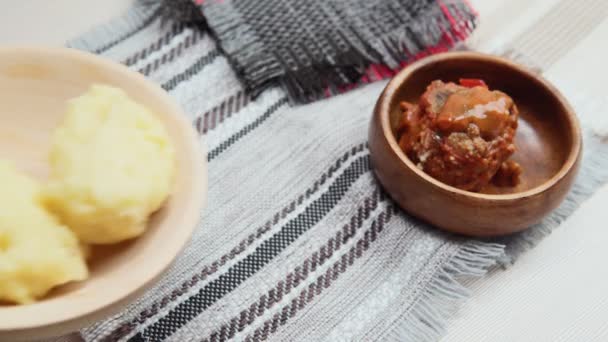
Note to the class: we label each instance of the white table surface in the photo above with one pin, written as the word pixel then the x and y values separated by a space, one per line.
pixel 555 292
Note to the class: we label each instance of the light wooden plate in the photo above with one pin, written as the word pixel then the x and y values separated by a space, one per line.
pixel 548 143
pixel 34 85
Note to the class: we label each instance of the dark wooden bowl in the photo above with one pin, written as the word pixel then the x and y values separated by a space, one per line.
pixel 548 144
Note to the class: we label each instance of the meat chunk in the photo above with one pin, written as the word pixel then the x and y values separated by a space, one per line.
pixel 461 135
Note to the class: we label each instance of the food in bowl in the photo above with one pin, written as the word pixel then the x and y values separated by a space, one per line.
pixel 462 134
pixel 112 165
pixel 37 252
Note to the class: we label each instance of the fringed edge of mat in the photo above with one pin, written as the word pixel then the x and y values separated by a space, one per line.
pixel 105 36
pixel 259 69
pixel 443 296
pixel 593 173
pixel 427 319
pixel 250 59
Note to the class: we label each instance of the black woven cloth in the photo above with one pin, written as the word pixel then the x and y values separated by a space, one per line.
pixel 316 48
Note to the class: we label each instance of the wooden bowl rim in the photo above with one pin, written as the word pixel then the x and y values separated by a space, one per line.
pixel 389 92
pixel 42 317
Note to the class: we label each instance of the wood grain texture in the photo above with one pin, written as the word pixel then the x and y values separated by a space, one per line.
pixel 548 141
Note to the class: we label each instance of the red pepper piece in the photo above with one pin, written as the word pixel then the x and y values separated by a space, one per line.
pixel 472 82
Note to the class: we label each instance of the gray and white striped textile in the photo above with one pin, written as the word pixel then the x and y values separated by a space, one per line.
pixel 299 242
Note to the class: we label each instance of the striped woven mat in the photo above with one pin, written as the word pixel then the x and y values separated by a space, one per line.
pixel 299 242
